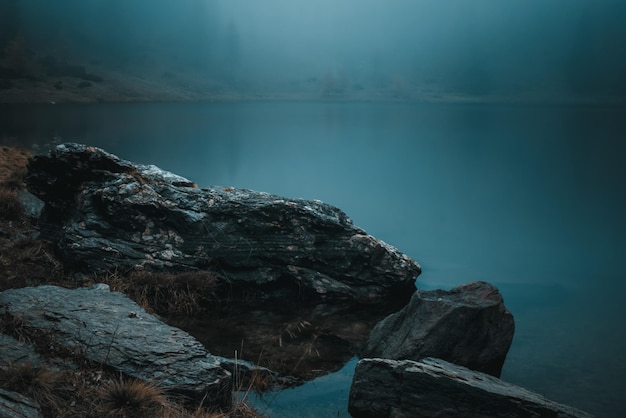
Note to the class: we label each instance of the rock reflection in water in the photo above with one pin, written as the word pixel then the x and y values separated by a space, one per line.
pixel 304 343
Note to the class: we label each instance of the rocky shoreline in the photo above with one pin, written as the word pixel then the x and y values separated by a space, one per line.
pixel 298 271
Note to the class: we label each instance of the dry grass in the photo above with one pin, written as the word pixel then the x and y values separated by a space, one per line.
pixel 168 294
pixel 60 393
pixel 13 162
pixel 24 261
pixel 10 207
pixel 93 393
pixel 12 178
pixel 133 398
pixel 28 262
pixel 34 382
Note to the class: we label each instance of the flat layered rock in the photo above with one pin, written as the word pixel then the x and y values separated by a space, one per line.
pixel 436 388
pixel 110 213
pixel 111 329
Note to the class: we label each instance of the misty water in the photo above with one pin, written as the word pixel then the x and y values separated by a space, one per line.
pixel 531 199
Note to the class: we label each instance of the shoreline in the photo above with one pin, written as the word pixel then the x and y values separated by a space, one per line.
pixel 506 102
pixel 119 88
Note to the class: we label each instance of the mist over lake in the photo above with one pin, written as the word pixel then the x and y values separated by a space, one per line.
pixel 528 198
pixel 531 51
pixel 484 139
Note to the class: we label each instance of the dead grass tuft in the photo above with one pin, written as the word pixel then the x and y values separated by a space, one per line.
pixel 168 294
pixel 57 392
pixel 132 398
pixel 13 162
pixel 137 398
pixel 28 380
pixel 28 262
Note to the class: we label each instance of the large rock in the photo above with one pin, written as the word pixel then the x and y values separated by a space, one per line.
pixel 114 331
pixel 468 325
pixel 111 213
pixel 435 388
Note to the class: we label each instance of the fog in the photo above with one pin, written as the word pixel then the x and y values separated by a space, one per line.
pixel 407 48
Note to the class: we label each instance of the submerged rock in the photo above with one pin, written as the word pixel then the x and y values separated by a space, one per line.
pixel 110 329
pixel 436 388
pixel 468 325
pixel 110 213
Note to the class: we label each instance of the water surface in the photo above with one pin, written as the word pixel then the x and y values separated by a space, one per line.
pixel 531 199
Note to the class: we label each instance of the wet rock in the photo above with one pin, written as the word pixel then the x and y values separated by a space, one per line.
pixel 112 330
pixel 14 405
pixel 33 207
pixel 468 325
pixel 113 213
pixel 436 388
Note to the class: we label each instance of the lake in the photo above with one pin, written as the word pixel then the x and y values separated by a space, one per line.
pixel 529 198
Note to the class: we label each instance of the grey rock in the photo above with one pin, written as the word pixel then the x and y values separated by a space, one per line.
pixel 33 206
pixel 113 330
pixel 111 212
pixel 14 352
pixel 468 325
pixel 436 388
pixel 15 405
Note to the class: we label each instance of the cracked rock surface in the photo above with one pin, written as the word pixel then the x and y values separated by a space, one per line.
pixel 436 388
pixel 113 330
pixel 102 211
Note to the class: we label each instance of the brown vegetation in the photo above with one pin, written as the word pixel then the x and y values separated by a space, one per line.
pixel 96 393
pixel 13 167
pixel 24 260
pixel 171 294
pixel 10 206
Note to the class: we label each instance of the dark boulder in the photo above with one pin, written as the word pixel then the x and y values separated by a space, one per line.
pixel 435 388
pixel 33 207
pixel 113 214
pixel 110 329
pixel 468 325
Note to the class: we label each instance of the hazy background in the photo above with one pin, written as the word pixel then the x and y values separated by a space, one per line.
pixel 530 198
pixel 407 49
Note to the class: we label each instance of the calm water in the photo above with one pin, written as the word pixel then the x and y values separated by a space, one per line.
pixel 531 199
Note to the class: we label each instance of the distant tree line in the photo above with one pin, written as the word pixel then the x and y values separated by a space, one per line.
pixel 575 46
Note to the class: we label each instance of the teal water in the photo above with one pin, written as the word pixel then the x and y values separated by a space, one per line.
pixel 531 199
